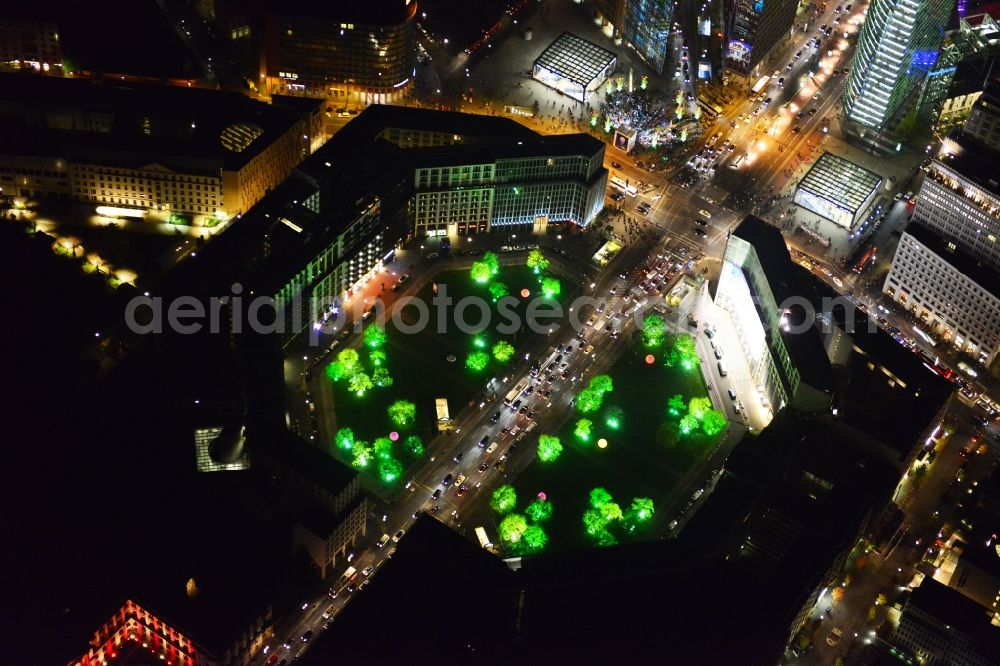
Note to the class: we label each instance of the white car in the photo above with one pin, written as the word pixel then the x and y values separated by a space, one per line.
pixel 491 448
pixel 397 536
pixel 367 571
pixel 705 214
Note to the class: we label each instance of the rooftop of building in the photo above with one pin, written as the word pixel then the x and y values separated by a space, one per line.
pixel 984 276
pixel 952 608
pixel 806 348
pixel 972 159
pixel 444 598
pixel 575 58
pixel 841 181
pixel 296 454
pixel 369 13
pixel 136 125
pixel 985 558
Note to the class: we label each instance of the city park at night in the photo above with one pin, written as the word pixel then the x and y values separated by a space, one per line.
pixel 596 475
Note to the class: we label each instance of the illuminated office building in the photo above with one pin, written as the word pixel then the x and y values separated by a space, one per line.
pixel 645 25
pixel 898 45
pixel 753 29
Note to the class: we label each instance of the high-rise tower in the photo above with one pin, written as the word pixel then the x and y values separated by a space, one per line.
pixel 898 44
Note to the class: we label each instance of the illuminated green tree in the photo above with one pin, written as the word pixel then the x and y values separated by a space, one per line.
pixel 602 383
pixel 698 407
pixel 362 453
pixel 480 272
pixel 605 538
pixel 336 371
pixel 414 446
pixel 390 470
pixel 713 423
pixel 498 290
pixel 537 261
pixel 539 510
pixel 534 540
pixel 349 359
pixel 551 287
pixel 593 522
pixel 377 357
pixel 503 351
pixel 382 448
pixel 611 511
pixel 653 331
pixel 686 350
pixel 549 448
pixel 374 336
pixel 583 428
pixel 599 497
pixel 359 383
pixel 641 509
pixel 477 361
pixel 382 378
pixel 512 527
pixel 588 400
pixel 613 417
pixel 688 424
pixel 676 405
pixel 402 413
pixel 344 438
pixel 492 262
pixel 504 499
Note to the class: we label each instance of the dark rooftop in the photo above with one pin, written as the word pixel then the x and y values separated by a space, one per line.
pixel 297 454
pixel 368 13
pixel 974 160
pixel 953 608
pixel 47 115
pixel 966 264
pixel 439 599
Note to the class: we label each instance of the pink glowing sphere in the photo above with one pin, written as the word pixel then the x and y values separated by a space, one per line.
pixel 394 435
pixel 541 496
pixel 650 359
pixel 525 293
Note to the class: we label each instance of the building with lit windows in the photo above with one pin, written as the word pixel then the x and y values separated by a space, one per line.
pixel 983 122
pixel 645 25
pixel 940 626
pixel 29 41
pixel 898 45
pixel 753 29
pixel 190 152
pixel 955 296
pixel 357 53
pixel 960 199
pixel 759 288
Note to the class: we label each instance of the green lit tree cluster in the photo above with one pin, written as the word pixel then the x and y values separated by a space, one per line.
pixel 539 510
pixel 362 453
pixel 480 272
pixel 382 448
pixel 348 366
pixel 613 417
pixel 654 331
pixel 477 361
pixel 374 336
pixel 590 399
pixel 605 514
pixel 512 528
pixel 344 439
pixel 549 448
pixel 402 413
pixel 414 446
pixel 686 351
pixel 492 262
pixel 389 470
pixel 583 429
pixel 498 290
pixel 698 414
pixel 503 351
pixel 504 499
pixel 537 261
pixel 551 287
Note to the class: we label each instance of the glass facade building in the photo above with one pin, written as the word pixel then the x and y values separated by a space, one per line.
pixel 898 46
pixel 753 28
pixel 647 28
